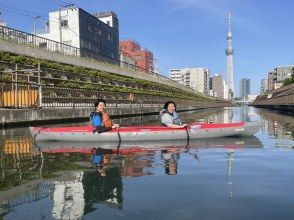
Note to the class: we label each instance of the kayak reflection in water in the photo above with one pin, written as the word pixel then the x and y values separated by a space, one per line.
pixel 170 157
pixel 100 158
pixel 169 116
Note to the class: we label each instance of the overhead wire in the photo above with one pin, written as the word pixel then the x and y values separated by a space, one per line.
pixel 19 10
pixel 27 15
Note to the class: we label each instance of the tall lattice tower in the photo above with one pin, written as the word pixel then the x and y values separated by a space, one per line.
pixel 230 65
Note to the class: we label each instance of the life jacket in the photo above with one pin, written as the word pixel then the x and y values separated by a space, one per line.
pixel 100 119
pixel 106 120
pixel 96 119
pixel 175 117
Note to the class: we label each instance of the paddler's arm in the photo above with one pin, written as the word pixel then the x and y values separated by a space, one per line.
pixel 170 125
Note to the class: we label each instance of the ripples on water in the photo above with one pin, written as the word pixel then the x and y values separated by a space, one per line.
pixel 223 178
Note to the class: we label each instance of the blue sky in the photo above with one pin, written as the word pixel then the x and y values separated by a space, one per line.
pixel 190 33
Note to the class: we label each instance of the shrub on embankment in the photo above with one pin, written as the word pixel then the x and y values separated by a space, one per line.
pixel 150 88
pixel 289 81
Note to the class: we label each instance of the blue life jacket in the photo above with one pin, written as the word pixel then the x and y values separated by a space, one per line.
pixel 96 119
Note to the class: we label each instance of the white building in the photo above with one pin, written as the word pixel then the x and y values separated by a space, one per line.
pixel 226 91
pixel 263 86
pixel 196 78
pixel 3 23
pixel 95 36
pixel 175 74
pixel 68 198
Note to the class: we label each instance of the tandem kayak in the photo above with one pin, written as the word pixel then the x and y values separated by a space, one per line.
pixel 145 133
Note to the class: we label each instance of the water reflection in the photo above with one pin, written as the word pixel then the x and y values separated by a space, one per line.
pixel 73 180
pixel 171 157
pixel 77 193
pixel 279 127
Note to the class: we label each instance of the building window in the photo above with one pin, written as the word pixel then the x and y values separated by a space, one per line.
pixel 108 36
pixel 64 23
pixel 108 23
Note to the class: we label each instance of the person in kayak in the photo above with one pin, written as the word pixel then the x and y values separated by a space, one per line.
pixel 100 119
pixel 169 116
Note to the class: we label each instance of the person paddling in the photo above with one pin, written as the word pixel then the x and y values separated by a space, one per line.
pixel 100 119
pixel 169 116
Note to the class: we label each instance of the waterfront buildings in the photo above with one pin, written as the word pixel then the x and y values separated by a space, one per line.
pixel 195 78
pixel 226 90
pixel 263 86
pixel 126 59
pixel 96 36
pixel 216 86
pixel 230 65
pixel 142 56
pixel 175 75
pixel 244 88
pixel 277 76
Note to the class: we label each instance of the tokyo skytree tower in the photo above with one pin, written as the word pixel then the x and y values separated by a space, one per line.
pixel 230 65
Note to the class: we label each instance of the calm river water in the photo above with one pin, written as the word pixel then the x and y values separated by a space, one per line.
pixel 228 178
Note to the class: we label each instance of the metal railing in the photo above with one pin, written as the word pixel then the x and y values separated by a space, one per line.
pixel 27 39
pixel 20 37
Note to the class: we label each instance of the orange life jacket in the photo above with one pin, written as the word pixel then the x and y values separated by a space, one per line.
pixel 106 120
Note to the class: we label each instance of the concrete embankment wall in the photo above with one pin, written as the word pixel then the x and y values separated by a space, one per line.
pixel 19 117
pixel 279 99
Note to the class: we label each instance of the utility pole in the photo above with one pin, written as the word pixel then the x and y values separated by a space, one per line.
pixel 35 31
pixel 39 87
pixel 60 31
pixel 59 22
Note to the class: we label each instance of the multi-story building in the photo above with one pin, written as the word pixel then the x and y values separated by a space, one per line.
pixel 142 56
pixel 276 77
pixel 175 75
pixel 126 60
pixel 216 84
pixel 284 72
pixel 244 88
pixel 271 79
pixel 196 78
pixel 263 86
pixel 226 90
pixel 96 36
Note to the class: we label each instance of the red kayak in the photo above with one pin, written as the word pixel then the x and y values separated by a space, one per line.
pixel 145 133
